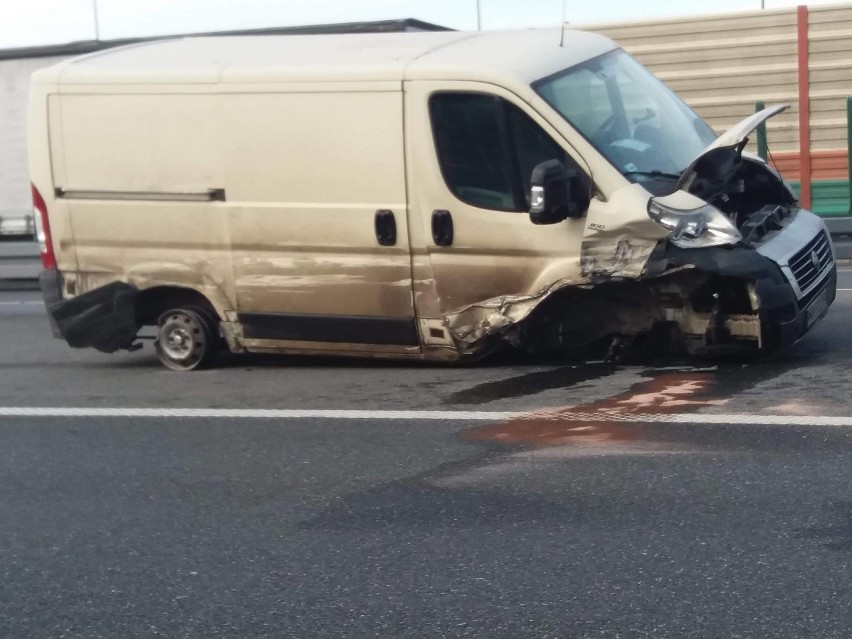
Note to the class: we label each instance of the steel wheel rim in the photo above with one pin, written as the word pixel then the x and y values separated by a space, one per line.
pixel 182 339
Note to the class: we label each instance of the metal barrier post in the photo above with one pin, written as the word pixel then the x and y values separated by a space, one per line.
pixel 762 148
pixel 849 148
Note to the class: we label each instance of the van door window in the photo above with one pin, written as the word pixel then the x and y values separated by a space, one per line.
pixel 532 146
pixel 487 149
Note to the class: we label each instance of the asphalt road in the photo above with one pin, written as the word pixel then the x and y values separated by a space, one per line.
pixel 412 524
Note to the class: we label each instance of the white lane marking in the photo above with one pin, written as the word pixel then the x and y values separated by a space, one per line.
pixel 844 289
pixel 20 302
pixel 240 413
pixel 557 415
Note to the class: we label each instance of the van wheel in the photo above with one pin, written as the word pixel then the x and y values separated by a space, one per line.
pixel 186 339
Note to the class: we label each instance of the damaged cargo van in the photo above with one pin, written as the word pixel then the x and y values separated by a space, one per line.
pixel 422 195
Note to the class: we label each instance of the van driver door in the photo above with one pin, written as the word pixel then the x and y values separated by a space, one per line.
pixel 472 150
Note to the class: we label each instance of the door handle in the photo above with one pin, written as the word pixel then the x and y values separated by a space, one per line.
pixel 442 227
pixel 385 224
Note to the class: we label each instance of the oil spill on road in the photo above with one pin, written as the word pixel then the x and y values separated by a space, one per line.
pixel 531 383
pixel 667 393
pixel 610 421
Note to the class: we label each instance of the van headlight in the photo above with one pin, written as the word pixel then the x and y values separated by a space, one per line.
pixel 695 228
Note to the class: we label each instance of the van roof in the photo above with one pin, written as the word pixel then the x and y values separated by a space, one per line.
pixel 527 55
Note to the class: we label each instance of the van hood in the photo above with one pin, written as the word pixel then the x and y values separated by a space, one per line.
pixel 731 140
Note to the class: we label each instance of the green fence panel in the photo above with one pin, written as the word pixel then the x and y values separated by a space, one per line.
pixel 829 198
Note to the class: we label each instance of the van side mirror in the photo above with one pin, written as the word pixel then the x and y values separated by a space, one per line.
pixel 556 193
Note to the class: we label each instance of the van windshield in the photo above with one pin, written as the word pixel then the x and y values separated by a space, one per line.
pixel 632 118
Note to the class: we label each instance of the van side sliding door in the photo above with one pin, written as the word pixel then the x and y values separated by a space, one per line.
pixel 318 218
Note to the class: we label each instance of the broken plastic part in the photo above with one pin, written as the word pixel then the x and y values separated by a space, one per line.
pixel 104 318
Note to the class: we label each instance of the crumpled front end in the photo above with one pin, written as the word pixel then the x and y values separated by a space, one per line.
pixel 475 326
pixel 760 284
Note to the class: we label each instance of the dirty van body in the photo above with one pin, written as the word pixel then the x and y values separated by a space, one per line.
pixel 418 195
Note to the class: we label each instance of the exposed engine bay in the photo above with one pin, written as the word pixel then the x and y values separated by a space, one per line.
pixel 752 194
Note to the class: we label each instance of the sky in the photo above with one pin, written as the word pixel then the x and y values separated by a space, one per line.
pixel 39 22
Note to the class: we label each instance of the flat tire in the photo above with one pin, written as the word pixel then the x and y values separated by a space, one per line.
pixel 186 339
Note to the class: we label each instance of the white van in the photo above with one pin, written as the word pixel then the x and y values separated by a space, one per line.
pixel 420 195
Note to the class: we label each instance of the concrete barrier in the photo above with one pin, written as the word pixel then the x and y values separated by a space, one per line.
pixel 19 265
pixel 841 235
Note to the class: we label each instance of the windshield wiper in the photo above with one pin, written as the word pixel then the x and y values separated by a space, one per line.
pixel 654 174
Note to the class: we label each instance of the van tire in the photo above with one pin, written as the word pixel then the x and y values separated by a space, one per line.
pixel 187 339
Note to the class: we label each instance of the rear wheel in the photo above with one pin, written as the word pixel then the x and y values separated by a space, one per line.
pixel 186 339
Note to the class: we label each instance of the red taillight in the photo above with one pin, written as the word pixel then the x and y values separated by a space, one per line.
pixel 42 223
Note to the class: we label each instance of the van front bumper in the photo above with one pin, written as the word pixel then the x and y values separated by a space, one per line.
pixel 805 256
pixel 793 276
pixel 785 325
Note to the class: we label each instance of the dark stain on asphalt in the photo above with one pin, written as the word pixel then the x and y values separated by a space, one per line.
pixel 618 418
pixel 836 536
pixel 670 392
pixel 531 383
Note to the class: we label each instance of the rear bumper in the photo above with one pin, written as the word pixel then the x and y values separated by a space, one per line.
pixel 50 283
pixel 104 319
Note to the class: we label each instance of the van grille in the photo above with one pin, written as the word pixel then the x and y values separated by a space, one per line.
pixel 812 260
